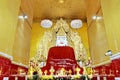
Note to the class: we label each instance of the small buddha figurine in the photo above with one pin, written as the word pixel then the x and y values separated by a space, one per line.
pixel 52 70
pixel 77 70
pixel 45 72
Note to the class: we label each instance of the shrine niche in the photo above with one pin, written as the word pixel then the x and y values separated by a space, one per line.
pixel 60 34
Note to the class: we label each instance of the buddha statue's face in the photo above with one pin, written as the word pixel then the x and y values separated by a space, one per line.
pixel 61 41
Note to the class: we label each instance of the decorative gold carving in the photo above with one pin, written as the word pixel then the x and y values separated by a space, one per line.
pixel 61 32
pixel 61 24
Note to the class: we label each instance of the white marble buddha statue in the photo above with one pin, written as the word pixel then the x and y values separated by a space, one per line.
pixel 61 39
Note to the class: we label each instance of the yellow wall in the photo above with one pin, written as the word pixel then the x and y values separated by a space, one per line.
pixel 15 34
pixel 21 46
pixel 8 21
pixel 97 34
pixel 111 14
pixel 104 33
pixel 37 33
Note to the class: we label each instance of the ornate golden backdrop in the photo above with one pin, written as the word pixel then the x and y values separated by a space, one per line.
pixel 41 41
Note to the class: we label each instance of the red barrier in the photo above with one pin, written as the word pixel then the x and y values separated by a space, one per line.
pixel 110 71
pixel 7 69
pixel 5 66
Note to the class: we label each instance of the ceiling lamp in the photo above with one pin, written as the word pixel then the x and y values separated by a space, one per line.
pixel 77 23
pixel 61 1
pixel 23 16
pixel 46 23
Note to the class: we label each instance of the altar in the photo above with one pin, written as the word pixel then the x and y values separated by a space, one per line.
pixel 61 57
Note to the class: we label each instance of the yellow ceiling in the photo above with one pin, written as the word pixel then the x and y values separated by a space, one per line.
pixel 55 9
